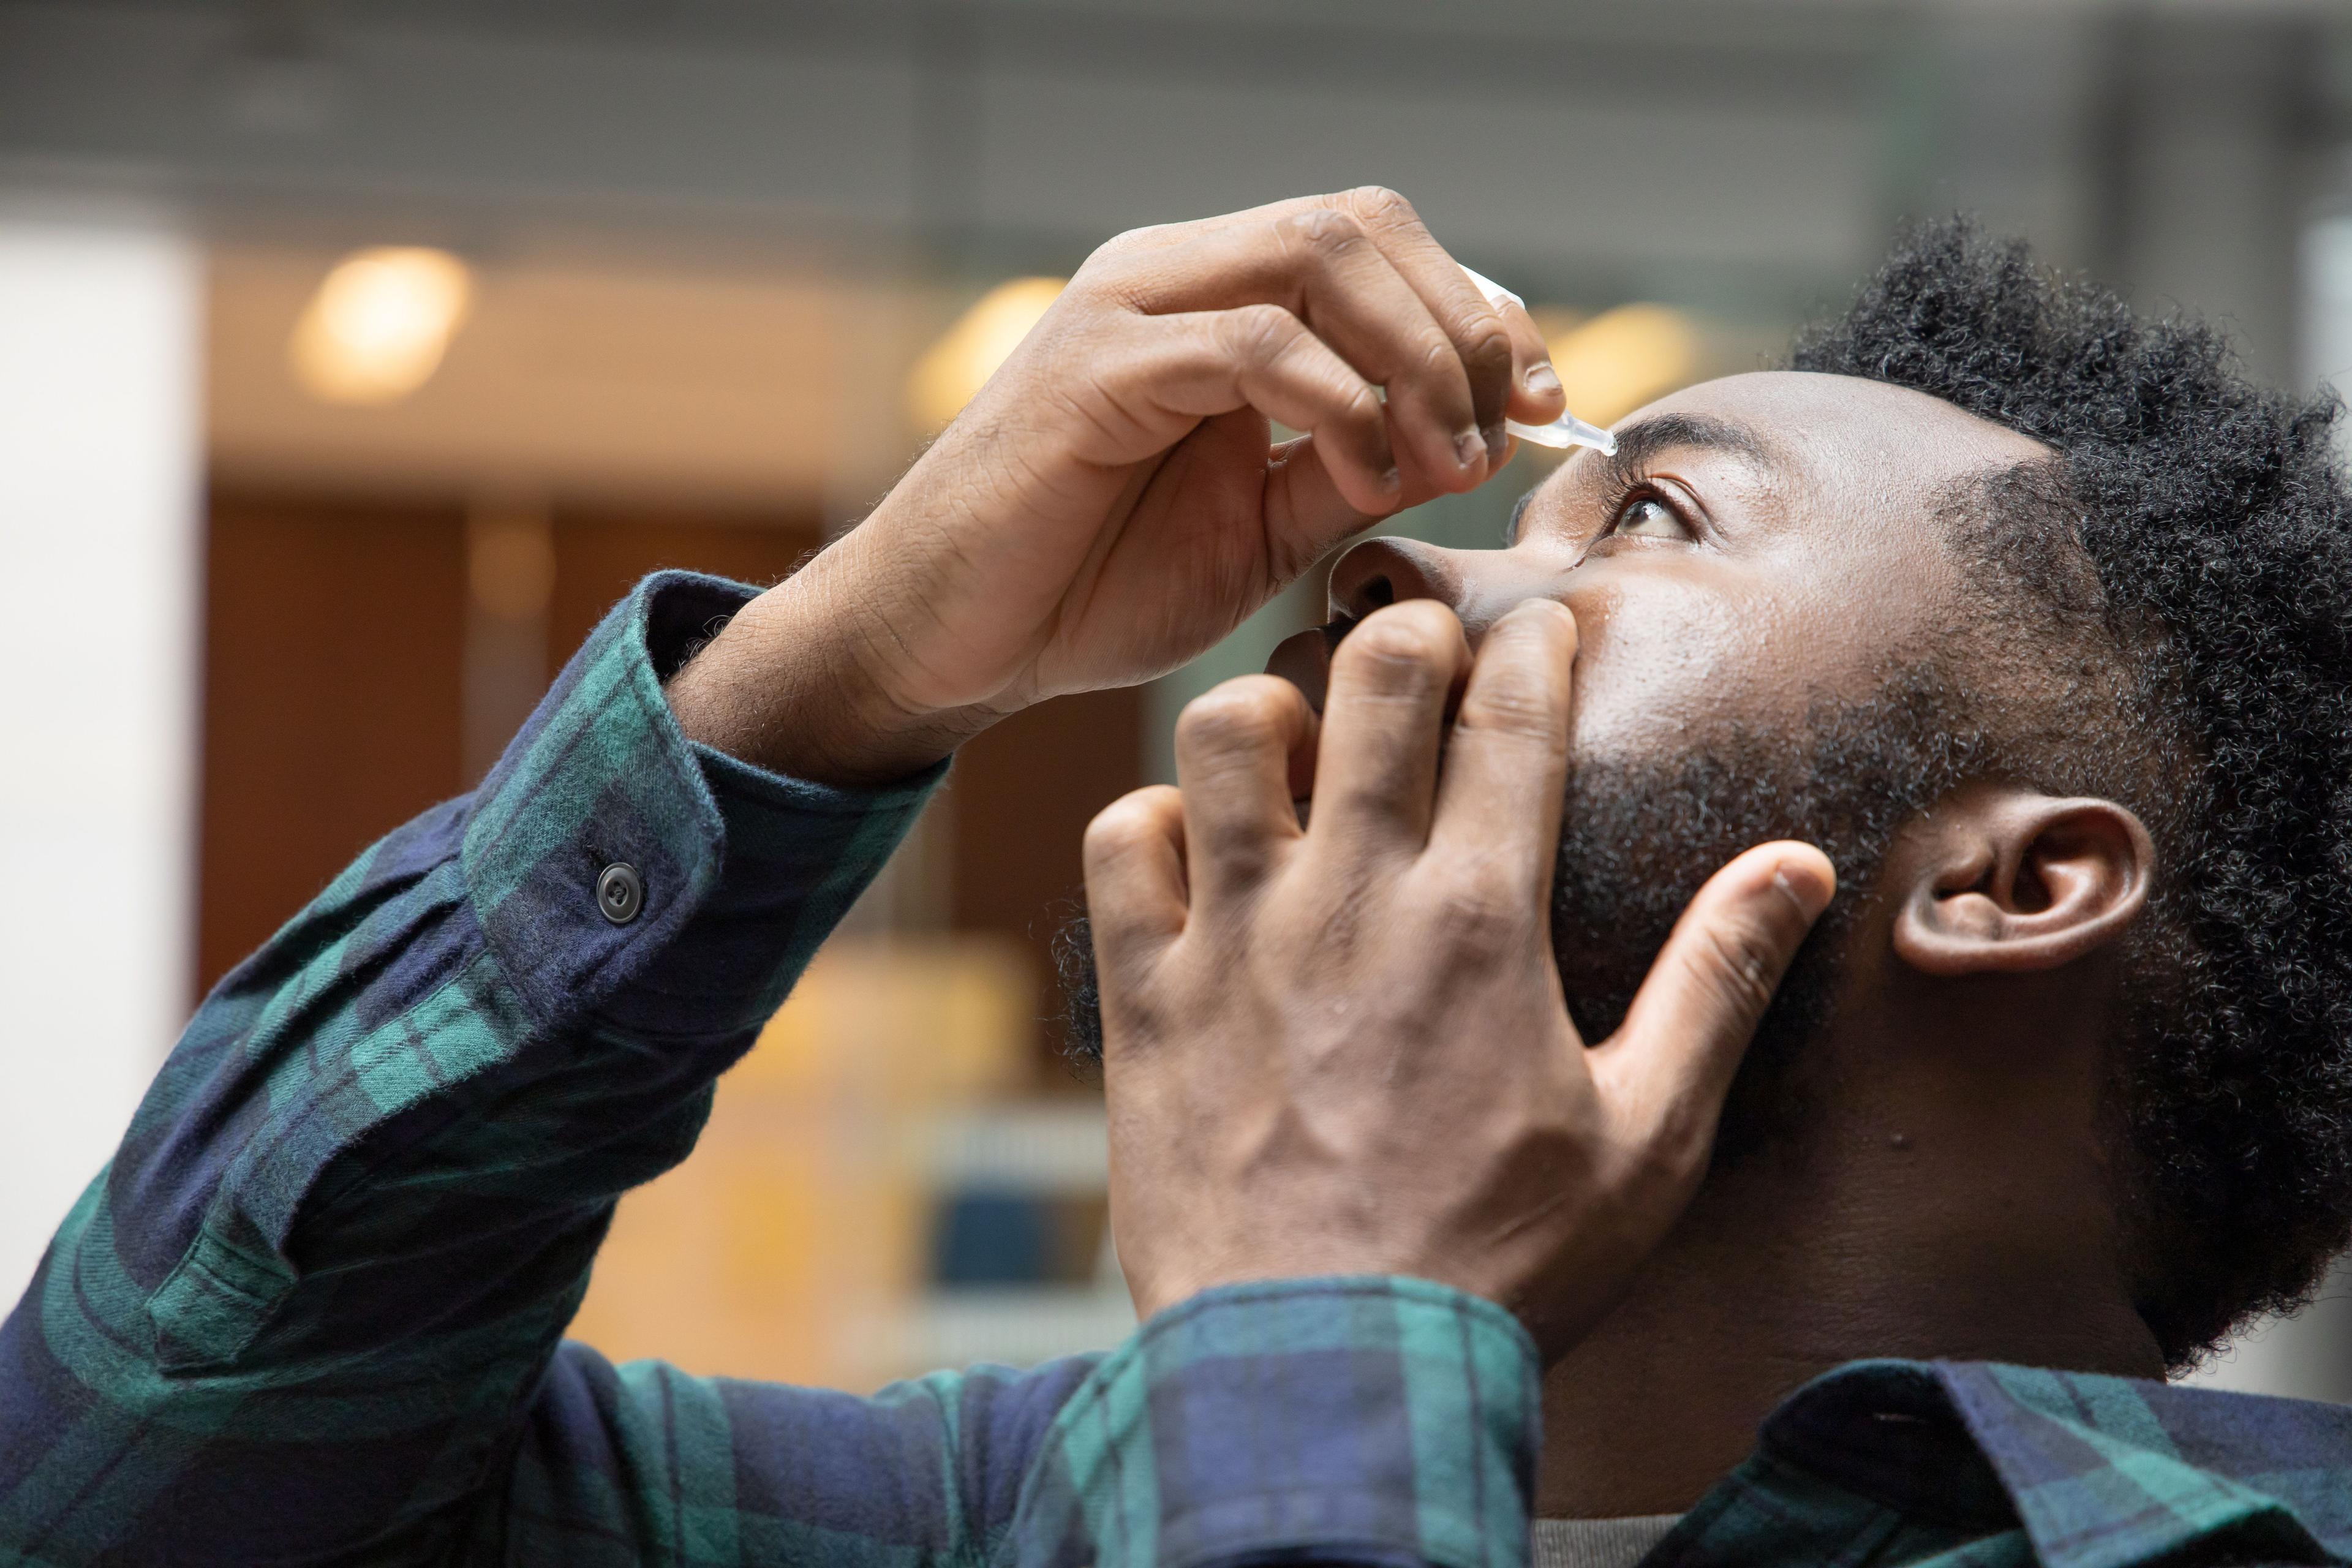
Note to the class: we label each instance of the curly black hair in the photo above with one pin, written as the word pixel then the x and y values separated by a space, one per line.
pixel 2193 533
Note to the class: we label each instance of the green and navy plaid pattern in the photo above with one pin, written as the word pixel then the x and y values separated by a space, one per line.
pixel 312 1311
pixel 1969 1462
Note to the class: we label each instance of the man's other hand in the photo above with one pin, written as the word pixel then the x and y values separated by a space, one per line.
pixel 1111 503
pixel 1342 1046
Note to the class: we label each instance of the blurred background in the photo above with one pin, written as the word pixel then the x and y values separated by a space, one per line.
pixel 354 358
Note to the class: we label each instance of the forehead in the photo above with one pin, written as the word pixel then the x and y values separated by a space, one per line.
pixel 1855 440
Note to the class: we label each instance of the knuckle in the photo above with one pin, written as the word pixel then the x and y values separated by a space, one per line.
pixel 1362 406
pixel 1735 972
pixel 1381 206
pixel 1321 231
pixel 1436 353
pixel 1483 917
pixel 1260 333
pixel 1125 243
pixel 1515 702
pixel 1487 346
pixel 1237 717
pixel 1394 639
pixel 1117 828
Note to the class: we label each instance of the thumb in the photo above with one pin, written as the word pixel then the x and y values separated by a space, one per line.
pixel 1674 1058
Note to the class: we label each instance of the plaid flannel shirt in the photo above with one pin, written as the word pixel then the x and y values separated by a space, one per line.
pixel 312 1310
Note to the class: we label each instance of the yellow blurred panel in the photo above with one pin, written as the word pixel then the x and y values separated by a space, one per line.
pixel 960 363
pixel 1613 362
pixel 861 1006
pixel 801 1217
pixel 1555 323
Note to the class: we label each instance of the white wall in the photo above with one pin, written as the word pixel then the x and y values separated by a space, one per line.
pixel 2326 263
pixel 2309 1355
pixel 100 455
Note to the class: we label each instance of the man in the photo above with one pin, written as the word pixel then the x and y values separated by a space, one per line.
pixel 2039 621
pixel 311 1311
pixel 328 1267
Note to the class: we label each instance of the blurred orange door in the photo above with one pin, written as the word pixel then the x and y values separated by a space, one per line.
pixel 335 667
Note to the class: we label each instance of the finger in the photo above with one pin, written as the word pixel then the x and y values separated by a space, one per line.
pixel 1168 371
pixel 1353 296
pixel 1536 396
pixel 1498 804
pixel 1307 511
pixel 1234 747
pixel 1128 261
pixel 1134 856
pixel 1383 716
pixel 1318 259
pixel 1139 264
pixel 1667 1069
pixel 1474 329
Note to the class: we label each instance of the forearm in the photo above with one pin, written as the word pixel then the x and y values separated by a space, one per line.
pixel 359 1204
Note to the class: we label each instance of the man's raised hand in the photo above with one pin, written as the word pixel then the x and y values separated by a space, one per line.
pixel 1111 503
pixel 1342 1047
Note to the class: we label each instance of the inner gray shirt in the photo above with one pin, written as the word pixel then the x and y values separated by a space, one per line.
pixel 1598 1542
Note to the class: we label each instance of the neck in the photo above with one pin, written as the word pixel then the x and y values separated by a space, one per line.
pixel 1924 1217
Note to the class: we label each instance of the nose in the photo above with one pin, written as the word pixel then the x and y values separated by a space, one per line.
pixel 1479 585
pixel 1383 570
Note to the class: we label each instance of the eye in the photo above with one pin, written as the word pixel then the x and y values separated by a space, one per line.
pixel 1645 516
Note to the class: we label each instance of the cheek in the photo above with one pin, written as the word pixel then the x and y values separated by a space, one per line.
pixel 1658 665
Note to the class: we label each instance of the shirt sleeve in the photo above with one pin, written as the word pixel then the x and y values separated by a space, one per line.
pixel 312 1310
pixel 1354 1420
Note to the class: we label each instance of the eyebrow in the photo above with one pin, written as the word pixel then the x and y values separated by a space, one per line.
pixel 1637 444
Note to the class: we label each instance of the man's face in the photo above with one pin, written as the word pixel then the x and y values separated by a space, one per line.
pixel 1762 587
pixel 1758 544
pixel 1761 583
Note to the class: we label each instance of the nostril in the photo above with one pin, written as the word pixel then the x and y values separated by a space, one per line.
pixel 1380 573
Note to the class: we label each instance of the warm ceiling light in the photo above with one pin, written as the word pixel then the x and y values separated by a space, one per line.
pixel 379 324
pixel 955 367
pixel 1612 364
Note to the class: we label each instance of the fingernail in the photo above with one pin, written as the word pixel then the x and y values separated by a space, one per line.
pixel 1497 440
pixel 1542 378
pixel 1469 448
pixel 1805 889
pixel 1391 482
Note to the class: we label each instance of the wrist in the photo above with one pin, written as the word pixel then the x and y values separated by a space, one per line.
pixel 789 685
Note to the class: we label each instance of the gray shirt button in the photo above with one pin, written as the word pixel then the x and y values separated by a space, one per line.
pixel 619 892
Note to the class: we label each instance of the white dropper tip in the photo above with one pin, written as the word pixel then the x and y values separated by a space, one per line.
pixel 1567 430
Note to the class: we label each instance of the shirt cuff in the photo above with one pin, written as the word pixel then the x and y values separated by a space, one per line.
pixel 738 873
pixel 1356 1419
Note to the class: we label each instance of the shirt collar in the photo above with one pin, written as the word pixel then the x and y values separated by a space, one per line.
pixel 2101 1471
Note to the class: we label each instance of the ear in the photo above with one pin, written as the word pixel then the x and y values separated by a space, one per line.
pixel 2005 880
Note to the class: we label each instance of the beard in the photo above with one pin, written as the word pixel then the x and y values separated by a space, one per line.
pixel 1641 835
